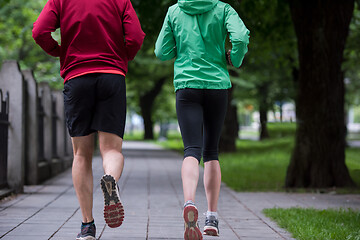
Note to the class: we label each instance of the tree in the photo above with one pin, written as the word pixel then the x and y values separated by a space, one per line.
pixel 352 59
pixel 230 130
pixel 318 159
pixel 147 75
pixel 146 78
pixel 272 46
pixel 16 42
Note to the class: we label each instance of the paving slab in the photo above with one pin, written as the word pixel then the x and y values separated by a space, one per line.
pixel 151 191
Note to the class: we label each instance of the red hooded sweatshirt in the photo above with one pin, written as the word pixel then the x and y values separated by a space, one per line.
pixel 96 35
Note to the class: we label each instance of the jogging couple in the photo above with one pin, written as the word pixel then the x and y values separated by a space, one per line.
pixel 98 38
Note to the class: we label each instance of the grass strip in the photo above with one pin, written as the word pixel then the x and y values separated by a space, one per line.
pixel 315 224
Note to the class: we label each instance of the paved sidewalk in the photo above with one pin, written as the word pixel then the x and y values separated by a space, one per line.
pixel 152 196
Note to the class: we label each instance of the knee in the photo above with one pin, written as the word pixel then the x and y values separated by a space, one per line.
pixel 82 159
pixel 83 154
pixel 193 152
pixel 210 155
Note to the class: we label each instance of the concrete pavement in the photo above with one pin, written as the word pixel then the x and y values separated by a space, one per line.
pixel 151 192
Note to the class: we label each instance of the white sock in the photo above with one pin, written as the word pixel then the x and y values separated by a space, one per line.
pixel 208 214
pixel 189 201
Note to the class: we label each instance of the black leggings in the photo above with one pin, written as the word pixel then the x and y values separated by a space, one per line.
pixel 201 114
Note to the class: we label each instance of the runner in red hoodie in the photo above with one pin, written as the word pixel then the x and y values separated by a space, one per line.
pixel 98 38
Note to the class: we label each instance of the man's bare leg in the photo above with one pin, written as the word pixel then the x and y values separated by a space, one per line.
pixel 113 164
pixel 82 174
pixel 111 152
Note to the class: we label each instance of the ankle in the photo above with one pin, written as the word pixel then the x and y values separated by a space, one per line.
pixel 189 202
pixel 209 213
pixel 88 223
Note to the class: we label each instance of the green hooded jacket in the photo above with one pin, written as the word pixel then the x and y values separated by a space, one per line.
pixel 194 32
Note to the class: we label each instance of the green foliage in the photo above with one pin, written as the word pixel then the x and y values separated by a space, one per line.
pixel 279 130
pixel 352 59
pixel 272 56
pixel 357 114
pixel 315 224
pixel 16 42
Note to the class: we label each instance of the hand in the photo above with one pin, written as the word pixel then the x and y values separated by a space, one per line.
pixel 228 57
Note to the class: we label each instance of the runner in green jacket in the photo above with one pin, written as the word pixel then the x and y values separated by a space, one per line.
pixel 194 33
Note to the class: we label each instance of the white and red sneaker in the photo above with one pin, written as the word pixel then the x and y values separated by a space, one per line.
pixel 190 214
pixel 113 208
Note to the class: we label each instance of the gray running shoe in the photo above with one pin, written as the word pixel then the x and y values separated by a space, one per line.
pixel 88 232
pixel 211 226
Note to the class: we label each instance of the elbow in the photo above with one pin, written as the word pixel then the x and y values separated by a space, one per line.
pixel 35 32
pixel 163 57
pixel 137 40
pixel 159 54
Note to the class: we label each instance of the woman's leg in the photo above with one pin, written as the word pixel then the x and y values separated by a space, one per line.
pixel 190 177
pixel 214 116
pixel 190 113
pixel 212 182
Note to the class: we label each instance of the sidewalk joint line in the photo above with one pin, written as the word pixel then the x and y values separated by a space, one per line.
pixel 172 184
pixel 227 223
pixel 64 223
pixel 24 196
pixel 102 232
pixel 148 201
pixel 247 208
pixel 67 189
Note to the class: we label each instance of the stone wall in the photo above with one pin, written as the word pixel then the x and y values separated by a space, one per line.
pixel 38 141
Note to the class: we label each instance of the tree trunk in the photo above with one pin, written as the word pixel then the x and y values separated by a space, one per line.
pixel 263 110
pixel 230 130
pixel 318 159
pixel 146 105
pixel 281 105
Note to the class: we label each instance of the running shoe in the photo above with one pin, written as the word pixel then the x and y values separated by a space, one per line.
pixel 88 232
pixel 192 230
pixel 211 226
pixel 113 208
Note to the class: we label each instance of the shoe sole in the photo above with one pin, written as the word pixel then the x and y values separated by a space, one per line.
pixel 192 231
pixel 211 231
pixel 113 208
pixel 86 238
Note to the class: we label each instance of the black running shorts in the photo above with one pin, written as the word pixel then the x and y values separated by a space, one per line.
pixel 95 102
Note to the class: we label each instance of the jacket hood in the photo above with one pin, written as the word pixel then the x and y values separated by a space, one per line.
pixel 194 7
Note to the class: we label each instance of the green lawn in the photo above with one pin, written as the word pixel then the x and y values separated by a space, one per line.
pixel 257 166
pixel 313 224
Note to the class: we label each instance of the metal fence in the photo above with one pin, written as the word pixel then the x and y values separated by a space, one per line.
pixel 4 128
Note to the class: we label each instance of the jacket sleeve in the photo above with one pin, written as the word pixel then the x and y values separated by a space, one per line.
pixel 134 36
pixel 47 22
pixel 239 36
pixel 165 46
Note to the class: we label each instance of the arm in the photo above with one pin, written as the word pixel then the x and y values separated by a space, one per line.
pixel 134 36
pixel 239 36
pixel 47 22
pixel 165 47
